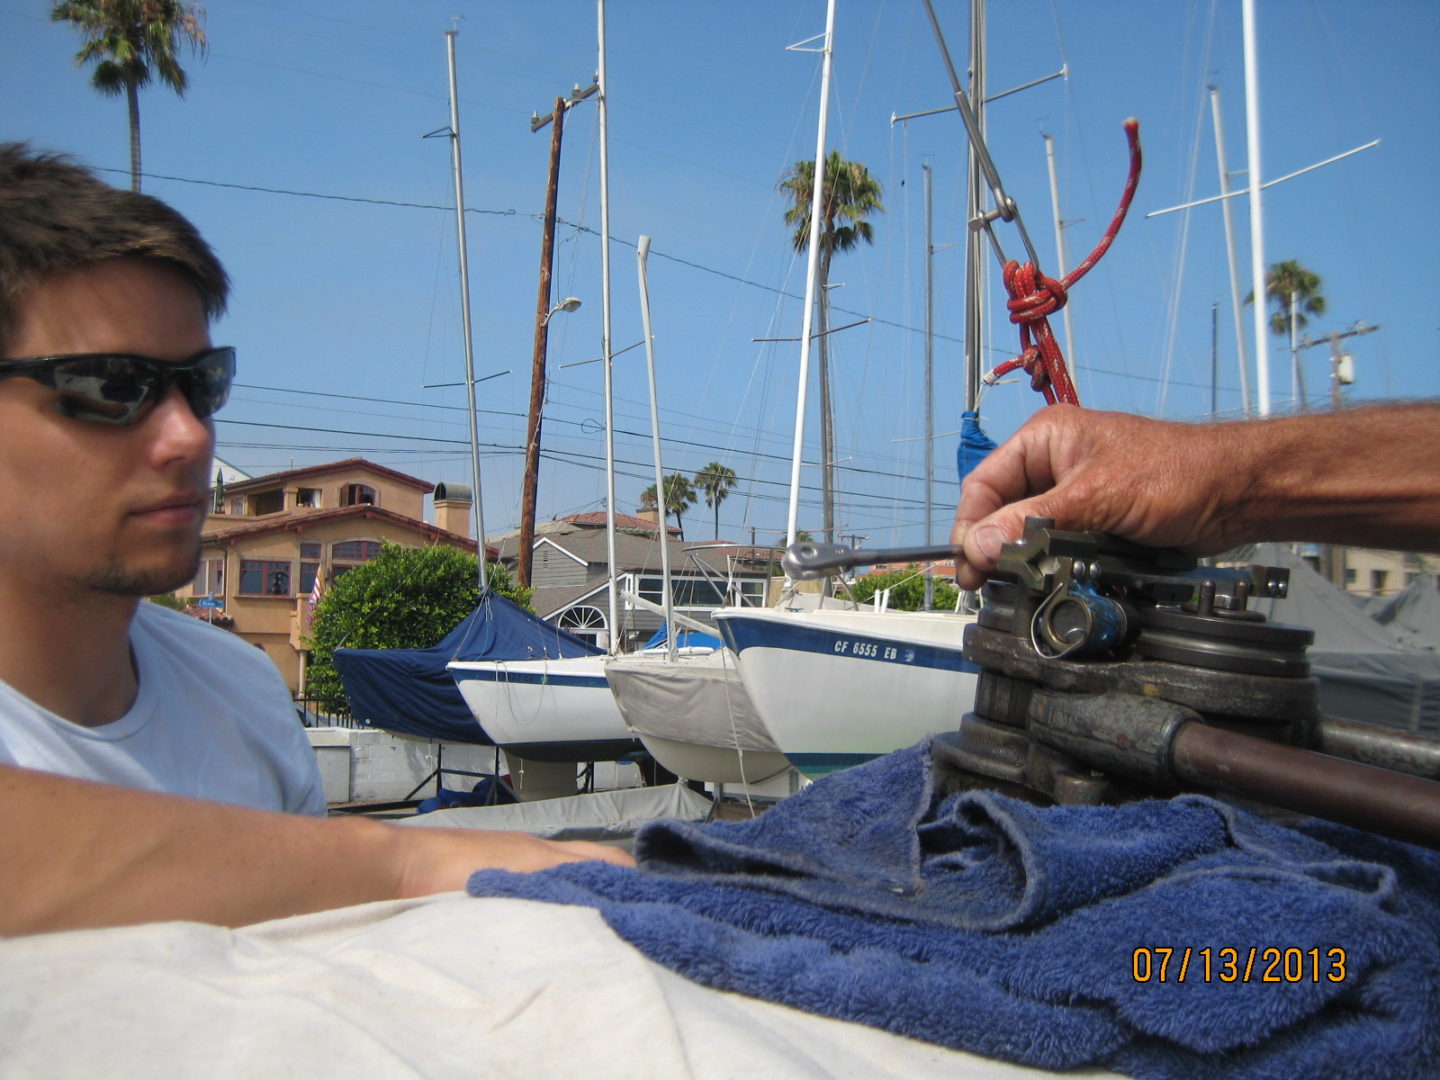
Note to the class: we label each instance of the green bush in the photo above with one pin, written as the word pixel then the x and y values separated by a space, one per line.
pixel 404 598
pixel 907 590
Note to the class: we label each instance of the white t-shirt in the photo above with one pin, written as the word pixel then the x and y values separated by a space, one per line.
pixel 213 720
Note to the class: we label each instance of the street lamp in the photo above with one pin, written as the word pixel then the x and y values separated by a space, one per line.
pixel 570 303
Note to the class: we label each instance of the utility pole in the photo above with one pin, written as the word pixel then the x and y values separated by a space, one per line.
pixel 542 329
pixel 1332 557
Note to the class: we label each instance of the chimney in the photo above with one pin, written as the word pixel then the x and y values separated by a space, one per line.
pixel 452 508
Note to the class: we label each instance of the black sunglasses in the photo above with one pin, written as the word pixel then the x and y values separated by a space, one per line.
pixel 117 388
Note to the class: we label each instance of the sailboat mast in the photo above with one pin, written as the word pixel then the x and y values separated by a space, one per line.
pixel 461 244
pixel 812 270
pixel 1229 220
pixel 616 630
pixel 1062 256
pixel 642 252
pixel 1257 230
pixel 974 209
pixel 929 378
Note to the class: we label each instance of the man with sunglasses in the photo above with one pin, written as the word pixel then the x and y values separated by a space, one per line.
pixel 108 380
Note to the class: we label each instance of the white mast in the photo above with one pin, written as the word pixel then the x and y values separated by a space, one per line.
pixel 616 630
pixel 1235 304
pixel 642 252
pixel 812 270
pixel 1257 230
pixel 461 244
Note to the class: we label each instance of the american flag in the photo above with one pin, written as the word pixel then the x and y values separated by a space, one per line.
pixel 316 591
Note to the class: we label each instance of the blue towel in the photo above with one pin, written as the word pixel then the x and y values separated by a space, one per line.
pixel 984 923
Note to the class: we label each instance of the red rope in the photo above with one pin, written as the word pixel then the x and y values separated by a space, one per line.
pixel 1034 297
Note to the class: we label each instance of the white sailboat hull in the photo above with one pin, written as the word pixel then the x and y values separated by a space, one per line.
pixel 695 717
pixel 546 710
pixel 837 688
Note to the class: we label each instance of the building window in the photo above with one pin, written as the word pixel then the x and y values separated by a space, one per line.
pixel 1378 580
pixel 1349 576
pixel 355 551
pixel 358 495
pixel 687 591
pixel 311 551
pixel 209 578
pixel 308 570
pixel 237 505
pixel 264 577
pixel 267 502
pixel 307 497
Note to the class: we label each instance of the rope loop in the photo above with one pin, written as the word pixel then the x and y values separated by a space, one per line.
pixel 1034 297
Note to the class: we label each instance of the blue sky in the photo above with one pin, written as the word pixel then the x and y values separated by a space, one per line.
pixel 298 152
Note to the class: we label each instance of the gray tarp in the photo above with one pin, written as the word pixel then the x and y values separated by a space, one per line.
pixel 1366 671
pixel 1413 614
pixel 603 815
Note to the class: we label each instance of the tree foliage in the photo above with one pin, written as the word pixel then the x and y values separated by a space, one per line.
pixel 404 598
pixel 1286 280
pixel 849 195
pixel 907 590
pixel 680 495
pixel 131 42
pixel 716 481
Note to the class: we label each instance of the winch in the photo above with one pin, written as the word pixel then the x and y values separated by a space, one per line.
pixel 1112 671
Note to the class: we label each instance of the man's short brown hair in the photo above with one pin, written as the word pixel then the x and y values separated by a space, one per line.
pixel 57 216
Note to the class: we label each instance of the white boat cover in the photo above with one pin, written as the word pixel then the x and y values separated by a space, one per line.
pixel 696 699
pixel 602 815
pixel 437 988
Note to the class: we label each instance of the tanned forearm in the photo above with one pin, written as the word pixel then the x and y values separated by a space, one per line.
pixel 1366 476
pixel 77 854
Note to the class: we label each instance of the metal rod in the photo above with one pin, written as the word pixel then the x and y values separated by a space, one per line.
pixel 616 630
pixel 1257 220
pixel 1393 804
pixel 477 506
pixel 1235 305
pixel 812 269
pixel 642 251
pixel 1061 255
pixel 929 378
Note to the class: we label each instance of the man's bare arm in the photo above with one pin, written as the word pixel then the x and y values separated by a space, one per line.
pixel 1367 476
pixel 79 854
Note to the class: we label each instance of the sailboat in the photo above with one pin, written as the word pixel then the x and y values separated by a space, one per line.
pixel 560 709
pixel 687 704
pixel 837 687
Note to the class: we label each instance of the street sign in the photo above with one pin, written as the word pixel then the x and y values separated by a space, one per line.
pixel 209 602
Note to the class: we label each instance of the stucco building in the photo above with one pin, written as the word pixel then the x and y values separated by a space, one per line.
pixel 268 539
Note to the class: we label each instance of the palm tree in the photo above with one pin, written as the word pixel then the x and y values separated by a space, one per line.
pixel 849 194
pixel 679 495
pixel 130 42
pixel 715 480
pixel 1286 280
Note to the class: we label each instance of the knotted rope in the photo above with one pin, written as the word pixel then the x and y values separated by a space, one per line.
pixel 1034 297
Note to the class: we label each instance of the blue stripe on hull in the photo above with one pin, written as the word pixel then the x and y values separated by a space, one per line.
pixel 594 682
pixel 741 634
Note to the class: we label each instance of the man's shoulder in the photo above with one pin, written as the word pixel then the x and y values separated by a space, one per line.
pixel 174 630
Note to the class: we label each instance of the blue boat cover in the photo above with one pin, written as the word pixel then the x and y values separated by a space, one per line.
pixel 974 444
pixel 684 639
pixel 410 692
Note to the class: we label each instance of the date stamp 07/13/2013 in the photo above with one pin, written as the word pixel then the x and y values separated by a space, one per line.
pixel 1162 964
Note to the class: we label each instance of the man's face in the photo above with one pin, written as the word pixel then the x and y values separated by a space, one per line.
pixel 86 506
